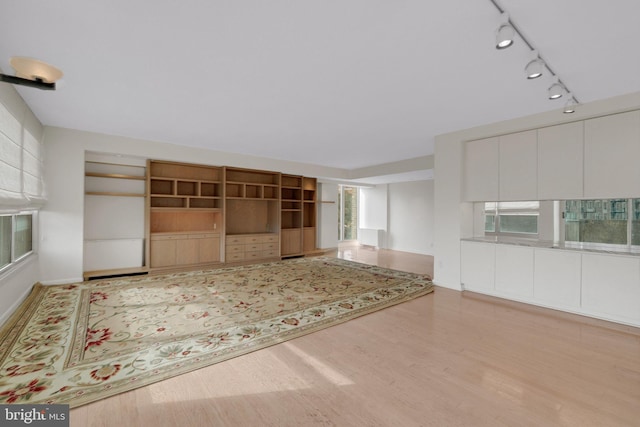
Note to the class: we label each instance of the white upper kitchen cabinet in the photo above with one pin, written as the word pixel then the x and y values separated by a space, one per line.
pixel 611 153
pixel 518 162
pixel 481 170
pixel 560 161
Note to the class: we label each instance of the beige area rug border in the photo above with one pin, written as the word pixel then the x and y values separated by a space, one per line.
pixel 38 291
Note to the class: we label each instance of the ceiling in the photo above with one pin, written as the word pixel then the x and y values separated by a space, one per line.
pixel 345 84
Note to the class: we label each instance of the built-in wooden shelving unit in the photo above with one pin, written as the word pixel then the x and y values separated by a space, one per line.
pixel 252 219
pixel 309 214
pixel 186 214
pixel 291 215
pixel 147 215
pixel 114 220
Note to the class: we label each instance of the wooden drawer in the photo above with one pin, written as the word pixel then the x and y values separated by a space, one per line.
pixel 235 240
pixel 253 247
pixel 253 255
pixel 270 253
pixel 168 236
pixel 234 249
pixel 203 235
pixel 273 246
pixel 253 239
pixel 270 238
pixel 234 257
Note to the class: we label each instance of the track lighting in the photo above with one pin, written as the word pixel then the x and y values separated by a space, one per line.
pixel 534 68
pixel 570 106
pixel 504 36
pixel 556 91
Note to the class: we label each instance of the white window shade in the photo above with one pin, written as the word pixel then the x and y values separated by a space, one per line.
pixel 21 170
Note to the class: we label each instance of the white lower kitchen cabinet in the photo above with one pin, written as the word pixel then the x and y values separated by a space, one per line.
pixel 478 266
pixel 514 270
pixel 611 285
pixel 556 278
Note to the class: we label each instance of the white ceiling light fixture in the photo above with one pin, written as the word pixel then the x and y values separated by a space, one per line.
pixel 33 73
pixel 505 36
pixel 536 67
pixel 570 106
pixel 556 90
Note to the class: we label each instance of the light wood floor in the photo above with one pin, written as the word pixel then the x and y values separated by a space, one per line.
pixel 445 359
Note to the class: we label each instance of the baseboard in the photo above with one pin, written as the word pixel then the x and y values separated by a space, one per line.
pixel 62 281
pixel 446 285
pixel 7 314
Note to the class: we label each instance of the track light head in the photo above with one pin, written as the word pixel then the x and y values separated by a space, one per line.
pixel 556 91
pixel 570 106
pixel 504 36
pixel 534 68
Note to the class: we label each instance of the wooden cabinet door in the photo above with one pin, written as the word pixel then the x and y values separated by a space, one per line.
pixel 309 239
pixel 163 253
pixel 187 251
pixel 209 249
pixel 291 241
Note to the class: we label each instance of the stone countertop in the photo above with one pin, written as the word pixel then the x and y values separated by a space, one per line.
pixel 549 244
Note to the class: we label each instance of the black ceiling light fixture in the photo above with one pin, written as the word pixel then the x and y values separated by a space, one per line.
pixel 32 73
pixel 536 67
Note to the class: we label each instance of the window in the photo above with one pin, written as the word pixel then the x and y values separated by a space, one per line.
pixel 614 222
pixel 21 171
pixel 512 218
pixel 16 238
pixel 348 211
pixel 21 181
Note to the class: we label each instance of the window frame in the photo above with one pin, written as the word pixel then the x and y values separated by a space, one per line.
pixel 341 209
pixel 503 209
pixel 627 247
pixel 15 260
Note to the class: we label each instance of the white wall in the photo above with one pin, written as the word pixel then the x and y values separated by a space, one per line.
pixel 373 210
pixel 16 284
pixel 328 215
pixel 411 217
pixel 454 218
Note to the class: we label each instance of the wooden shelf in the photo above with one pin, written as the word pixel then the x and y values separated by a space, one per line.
pixel 169 209
pixel 186 233
pixel 114 175
pixel 112 193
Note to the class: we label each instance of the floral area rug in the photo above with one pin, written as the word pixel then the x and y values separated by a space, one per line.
pixel 78 343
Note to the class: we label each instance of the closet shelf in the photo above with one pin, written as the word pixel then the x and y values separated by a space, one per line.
pixel 112 193
pixel 114 175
